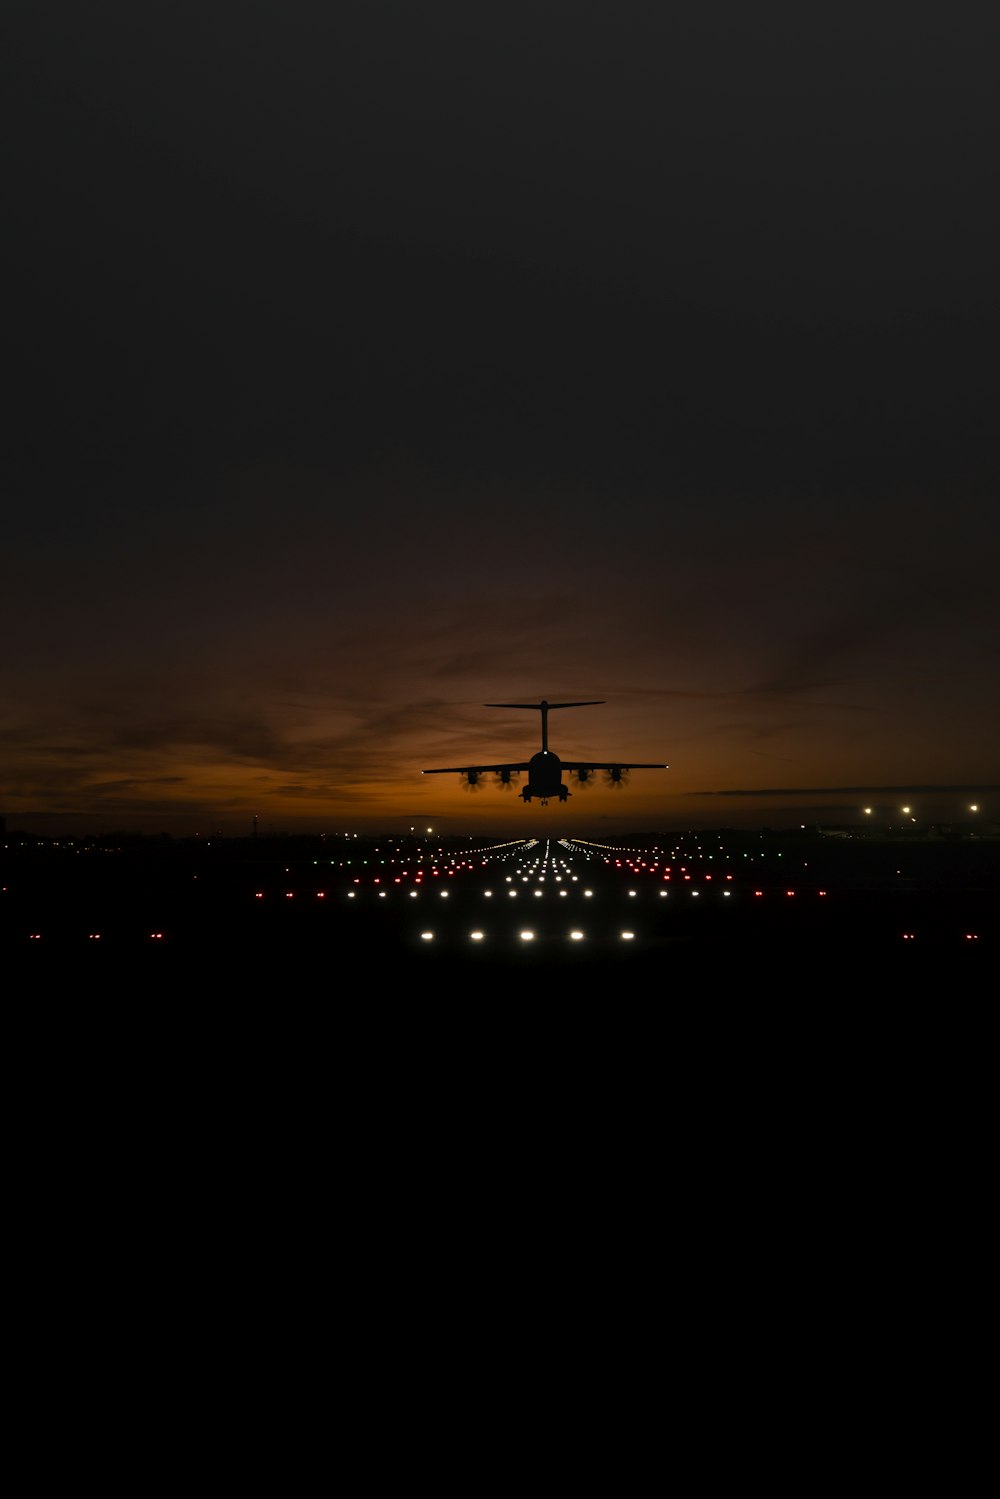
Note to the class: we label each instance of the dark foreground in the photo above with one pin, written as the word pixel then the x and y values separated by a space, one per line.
pixel 238 1077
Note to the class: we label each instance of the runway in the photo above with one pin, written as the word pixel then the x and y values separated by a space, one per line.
pixel 357 913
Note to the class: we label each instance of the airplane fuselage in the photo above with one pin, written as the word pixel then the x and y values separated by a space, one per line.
pixel 545 777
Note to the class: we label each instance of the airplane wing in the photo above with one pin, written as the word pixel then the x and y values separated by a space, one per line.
pixel 464 770
pixel 578 765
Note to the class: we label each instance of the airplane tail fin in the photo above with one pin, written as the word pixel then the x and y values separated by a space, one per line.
pixel 543 708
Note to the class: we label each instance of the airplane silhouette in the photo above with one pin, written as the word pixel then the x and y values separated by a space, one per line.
pixel 544 768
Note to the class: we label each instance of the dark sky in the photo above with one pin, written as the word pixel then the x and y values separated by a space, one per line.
pixel 372 362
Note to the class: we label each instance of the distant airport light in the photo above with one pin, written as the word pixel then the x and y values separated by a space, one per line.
pixel 427 936
pixel 527 936
pixel 576 936
pixel 628 936
pixel 476 936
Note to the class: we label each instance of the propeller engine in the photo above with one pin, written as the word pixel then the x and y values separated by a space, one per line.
pixel 584 777
pixel 506 779
pixel 469 780
pixel 616 777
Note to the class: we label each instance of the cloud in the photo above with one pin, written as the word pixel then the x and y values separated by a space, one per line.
pixel 759 791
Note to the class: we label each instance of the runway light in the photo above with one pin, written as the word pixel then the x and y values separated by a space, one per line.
pixel 476 936
pixel 628 936
pixel 527 936
pixel 427 936
pixel 576 936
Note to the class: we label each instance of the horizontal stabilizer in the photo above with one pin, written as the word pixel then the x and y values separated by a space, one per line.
pixel 591 704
